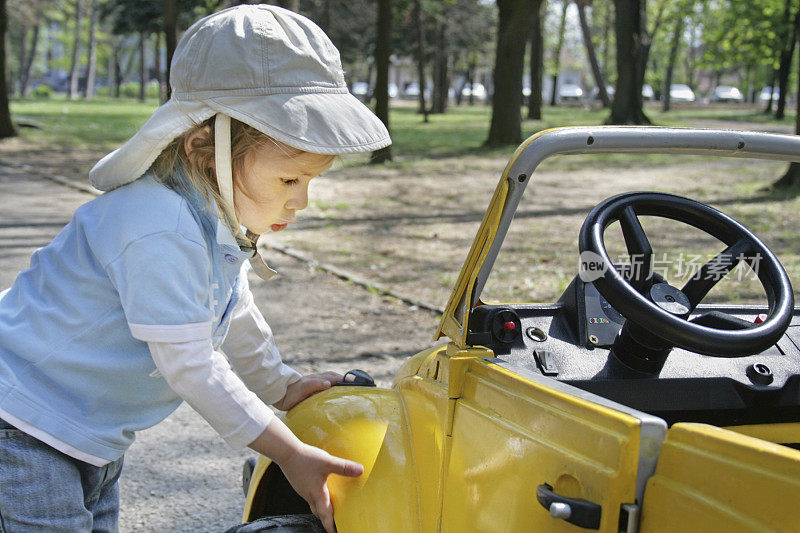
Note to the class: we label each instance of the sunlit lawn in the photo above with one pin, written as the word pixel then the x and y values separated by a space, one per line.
pixel 106 123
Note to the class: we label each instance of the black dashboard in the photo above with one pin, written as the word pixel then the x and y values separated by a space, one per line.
pixel 571 341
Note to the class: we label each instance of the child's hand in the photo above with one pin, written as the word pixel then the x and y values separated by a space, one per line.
pixel 305 387
pixel 308 470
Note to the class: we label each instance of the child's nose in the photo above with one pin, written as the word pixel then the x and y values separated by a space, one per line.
pixel 299 200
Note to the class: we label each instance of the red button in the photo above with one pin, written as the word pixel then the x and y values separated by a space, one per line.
pixel 760 318
pixel 509 326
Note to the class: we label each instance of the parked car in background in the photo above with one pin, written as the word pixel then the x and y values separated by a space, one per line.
pixel 360 89
pixel 477 91
pixel 679 92
pixel 595 94
pixel 727 93
pixel 411 90
pixel 569 92
pixel 648 93
pixel 767 93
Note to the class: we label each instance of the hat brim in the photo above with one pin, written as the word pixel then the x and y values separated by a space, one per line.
pixel 319 122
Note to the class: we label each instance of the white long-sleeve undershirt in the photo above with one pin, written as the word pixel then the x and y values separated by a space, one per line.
pixel 231 393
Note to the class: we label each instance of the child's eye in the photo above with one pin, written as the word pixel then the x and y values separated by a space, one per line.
pixel 289 181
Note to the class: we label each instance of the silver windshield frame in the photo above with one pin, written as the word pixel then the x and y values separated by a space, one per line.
pixel 625 139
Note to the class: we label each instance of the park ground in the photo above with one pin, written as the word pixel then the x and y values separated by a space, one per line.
pixel 402 228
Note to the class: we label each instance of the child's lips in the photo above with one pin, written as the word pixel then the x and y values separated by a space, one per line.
pixel 278 227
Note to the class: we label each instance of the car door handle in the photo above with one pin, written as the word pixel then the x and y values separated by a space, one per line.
pixel 582 513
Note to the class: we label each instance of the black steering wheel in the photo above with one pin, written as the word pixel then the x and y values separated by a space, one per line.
pixel 648 302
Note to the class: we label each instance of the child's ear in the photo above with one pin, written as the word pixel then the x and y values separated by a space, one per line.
pixel 196 139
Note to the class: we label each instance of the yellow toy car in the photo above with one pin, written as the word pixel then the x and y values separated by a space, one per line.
pixel 625 406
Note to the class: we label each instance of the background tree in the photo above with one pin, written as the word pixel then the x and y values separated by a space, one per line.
pixel 536 71
pixel 92 68
pixel 294 5
pixel 26 19
pixel 351 26
pixel 675 41
pixel 7 128
pixel 469 43
pixel 762 30
pixel 74 71
pixel 419 23
pixel 599 80
pixel 515 18
pixel 171 35
pixel 562 28
pixel 633 47
pixel 790 27
pixel 382 56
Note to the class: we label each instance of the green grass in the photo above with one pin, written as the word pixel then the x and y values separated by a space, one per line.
pixel 106 123
pixel 98 123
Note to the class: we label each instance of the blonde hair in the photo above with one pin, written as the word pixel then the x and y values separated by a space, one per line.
pixel 199 166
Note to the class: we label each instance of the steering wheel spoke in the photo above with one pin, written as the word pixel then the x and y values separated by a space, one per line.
pixel 720 320
pixel 639 250
pixel 714 270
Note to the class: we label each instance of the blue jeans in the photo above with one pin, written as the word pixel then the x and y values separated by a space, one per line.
pixel 44 490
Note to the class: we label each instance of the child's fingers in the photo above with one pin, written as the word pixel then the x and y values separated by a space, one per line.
pixel 345 467
pixel 333 377
pixel 325 512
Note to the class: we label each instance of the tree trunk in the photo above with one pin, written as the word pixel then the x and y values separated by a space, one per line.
pixel 673 55
pixel 383 50
pixel 74 72
pixel 768 106
pixel 536 64
pixel 557 55
pixel 587 41
pixel 90 75
pixel 628 106
pixel 27 66
pixel 787 53
pixel 791 179
pixel 142 66
pixel 325 23
pixel 420 52
pixel 7 128
pixel 157 68
pixel 470 80
pixel 22 54
pixel 607 23
pixel 513 26
pixel 293 5
pixel 171 35
pixel 441 76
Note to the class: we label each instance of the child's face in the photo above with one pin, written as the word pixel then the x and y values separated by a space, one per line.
pixel 273 186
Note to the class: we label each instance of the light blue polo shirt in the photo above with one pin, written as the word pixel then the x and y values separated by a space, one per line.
pixel 142 263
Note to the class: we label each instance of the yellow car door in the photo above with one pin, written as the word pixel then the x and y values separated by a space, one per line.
pixel 715 480
pixel 528 453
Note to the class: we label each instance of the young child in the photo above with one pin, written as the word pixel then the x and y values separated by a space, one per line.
pixel 142 301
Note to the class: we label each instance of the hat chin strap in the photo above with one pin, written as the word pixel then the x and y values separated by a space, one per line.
pixel 224 167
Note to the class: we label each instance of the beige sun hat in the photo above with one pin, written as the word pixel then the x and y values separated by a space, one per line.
pixel 262 65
